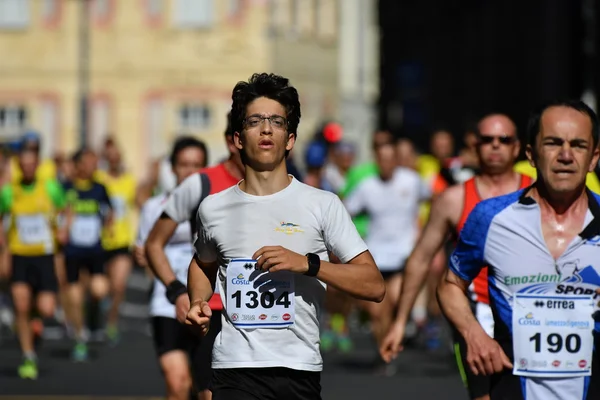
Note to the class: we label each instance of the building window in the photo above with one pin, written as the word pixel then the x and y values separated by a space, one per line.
pixel 326 18
pixel 193 13
pixel 154 8
pixel 154 127
pixel 194 117
pixel 304 11
pixel 233 7
pixel 49 9
pixel 281 12
pixel 100 9
pixel 13 120
pixel 99 121
pixel 14 14
pixel 48 118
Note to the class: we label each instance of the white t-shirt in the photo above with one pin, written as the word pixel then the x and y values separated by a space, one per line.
pixel 233 225
pixel 166 177
pixel 183 201
pixel 393 209
pixel 179 251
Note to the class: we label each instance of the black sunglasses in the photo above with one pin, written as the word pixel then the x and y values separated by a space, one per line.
pixel 506 140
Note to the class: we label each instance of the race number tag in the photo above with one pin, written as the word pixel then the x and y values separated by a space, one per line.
pixel 85 230
pixel 119 206
pixel 33 229
pixel 258 299
pixel 552 335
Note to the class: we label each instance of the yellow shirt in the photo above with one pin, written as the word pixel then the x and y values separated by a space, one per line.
pixel 33 210
pixel 428 167
pixel 46 170
pixel 121 191
pixel 591 180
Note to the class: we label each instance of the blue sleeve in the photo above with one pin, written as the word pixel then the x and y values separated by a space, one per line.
pixel 468 257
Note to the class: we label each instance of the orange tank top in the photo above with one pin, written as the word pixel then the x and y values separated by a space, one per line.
pixel 479 287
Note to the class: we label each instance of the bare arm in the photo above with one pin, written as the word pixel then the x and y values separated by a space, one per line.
pixel 454 302
pixel 158 262
pixel 201 280
pixel 417 267
pixel 200 290
pixel 359 277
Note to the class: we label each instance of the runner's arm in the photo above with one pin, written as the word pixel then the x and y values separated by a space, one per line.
pixel 202 273
pixel 181 204
pixel 108 208
pixel 201 278
pixel 59 199
pixel 465 263
pixel 5 206
pixel 417 267
pixel 147 219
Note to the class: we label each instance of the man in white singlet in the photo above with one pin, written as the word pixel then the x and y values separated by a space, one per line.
pixel 391 199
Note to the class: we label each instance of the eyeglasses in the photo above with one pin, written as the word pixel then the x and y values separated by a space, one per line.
pixel 276 121
pixel 487 139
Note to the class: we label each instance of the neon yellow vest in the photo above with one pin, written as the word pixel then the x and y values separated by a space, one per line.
pixel 121 191
pixel 31 231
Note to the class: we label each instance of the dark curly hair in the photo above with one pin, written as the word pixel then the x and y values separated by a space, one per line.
pixel 185 142
pixel 271 86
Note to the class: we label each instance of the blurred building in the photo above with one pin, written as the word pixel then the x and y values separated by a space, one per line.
pixel 159 68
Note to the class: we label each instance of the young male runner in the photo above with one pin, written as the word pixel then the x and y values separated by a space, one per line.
pixel 266 243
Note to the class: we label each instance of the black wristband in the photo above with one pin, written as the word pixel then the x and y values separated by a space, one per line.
pixel 174 290
pixel 314 264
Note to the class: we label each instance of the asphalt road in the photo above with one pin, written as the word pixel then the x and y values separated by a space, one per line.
pixel 130 370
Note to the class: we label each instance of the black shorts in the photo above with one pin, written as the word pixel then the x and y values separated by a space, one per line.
pixel 265 384
pixel 477 385
pixel 121 251
pixel 94 263
pixel 37 271
pixel 170 335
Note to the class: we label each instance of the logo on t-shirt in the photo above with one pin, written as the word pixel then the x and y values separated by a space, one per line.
pixel 289 228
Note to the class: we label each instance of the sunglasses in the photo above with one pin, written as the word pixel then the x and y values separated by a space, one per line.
pixel 506 140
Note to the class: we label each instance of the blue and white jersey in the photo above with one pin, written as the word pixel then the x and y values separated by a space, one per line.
pixel 505 233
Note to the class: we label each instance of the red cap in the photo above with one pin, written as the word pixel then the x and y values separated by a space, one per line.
pixel 333 132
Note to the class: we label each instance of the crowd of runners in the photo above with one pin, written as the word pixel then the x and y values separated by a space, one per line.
pixel 259 267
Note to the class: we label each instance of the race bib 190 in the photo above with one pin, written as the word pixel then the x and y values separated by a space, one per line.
pixel 259 299
pixel 552 335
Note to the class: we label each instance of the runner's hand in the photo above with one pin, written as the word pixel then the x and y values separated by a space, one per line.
pixel 182 307
pixel 484 354
pixel 199 316
pixel 392 342
pixel 277 258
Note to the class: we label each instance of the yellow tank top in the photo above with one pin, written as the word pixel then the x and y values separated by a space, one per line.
pixel 591 180
pixel 121 191
pixel 45 171
pixel 32 223
pixel 428 167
